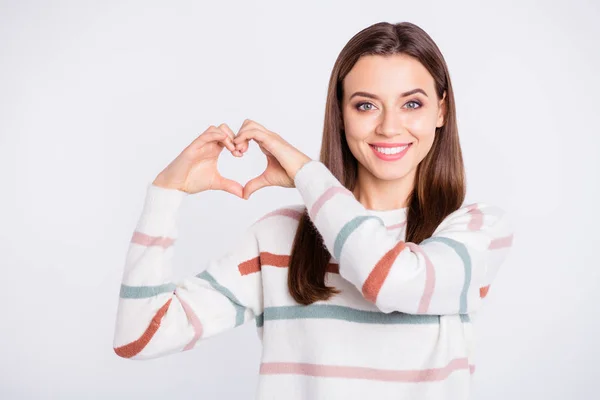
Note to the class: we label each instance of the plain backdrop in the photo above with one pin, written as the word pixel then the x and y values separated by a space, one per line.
pixel 96 98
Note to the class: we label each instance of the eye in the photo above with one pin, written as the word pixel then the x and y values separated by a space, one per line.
pixel 416 105
pixel 414 102
pixel 359 105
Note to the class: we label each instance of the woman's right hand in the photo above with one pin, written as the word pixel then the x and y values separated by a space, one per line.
pixel 195 169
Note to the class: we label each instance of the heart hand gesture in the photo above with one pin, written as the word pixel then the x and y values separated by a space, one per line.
pixel 283 160
pixel 195 169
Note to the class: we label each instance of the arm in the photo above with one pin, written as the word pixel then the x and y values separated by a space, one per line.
pixel 155 316
pixel 448 273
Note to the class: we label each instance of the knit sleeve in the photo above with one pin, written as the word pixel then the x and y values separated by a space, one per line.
pixel 448 273
pixel 157 316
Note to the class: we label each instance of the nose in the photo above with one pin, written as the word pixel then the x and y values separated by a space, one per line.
pixel 391 124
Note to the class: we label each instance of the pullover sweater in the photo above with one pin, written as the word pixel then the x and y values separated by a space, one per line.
pixel 401 328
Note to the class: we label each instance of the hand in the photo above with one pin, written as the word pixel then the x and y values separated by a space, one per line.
pixel 283 159
pixel 195 169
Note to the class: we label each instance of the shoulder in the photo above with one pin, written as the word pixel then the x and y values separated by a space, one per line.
pixel 277 225
pixel 478 216
pixel 275 230
pixel 286 215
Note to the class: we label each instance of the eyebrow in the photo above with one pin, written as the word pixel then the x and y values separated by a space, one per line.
pixel 372 96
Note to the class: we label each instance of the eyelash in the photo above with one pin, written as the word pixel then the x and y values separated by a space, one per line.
pixel 358 105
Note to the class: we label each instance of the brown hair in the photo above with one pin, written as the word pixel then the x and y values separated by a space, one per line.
pixel 440 178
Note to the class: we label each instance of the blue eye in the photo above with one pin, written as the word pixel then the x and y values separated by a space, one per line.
pixel 415 102
pixel 359 105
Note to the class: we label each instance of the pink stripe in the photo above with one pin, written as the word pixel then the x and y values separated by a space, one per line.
pixel 476 217
pixel 400 225
pixel 336 371
pixel 429 279
pixel 329 193
pixel 147 240
pixel 286 212
pixel 501 242
pixel 195 321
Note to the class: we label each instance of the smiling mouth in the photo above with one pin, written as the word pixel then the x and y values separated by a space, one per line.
pixel 390 150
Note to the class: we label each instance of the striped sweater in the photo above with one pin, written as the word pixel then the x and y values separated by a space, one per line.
pixel 401 327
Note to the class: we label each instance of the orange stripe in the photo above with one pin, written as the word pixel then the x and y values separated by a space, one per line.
pixel 275 260
pixel 131 349
pixel 333 268
pixel 484 291
pixel 250 266
pixel 374 282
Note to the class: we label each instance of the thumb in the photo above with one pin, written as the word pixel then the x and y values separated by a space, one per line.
pixel 253 185
pixel 229 186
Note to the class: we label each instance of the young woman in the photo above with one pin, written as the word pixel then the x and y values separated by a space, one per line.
pixel 367 289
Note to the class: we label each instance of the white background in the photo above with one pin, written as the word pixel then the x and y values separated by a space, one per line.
pixel 96 98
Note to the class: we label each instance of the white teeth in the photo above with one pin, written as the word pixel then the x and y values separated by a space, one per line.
pixel 390 150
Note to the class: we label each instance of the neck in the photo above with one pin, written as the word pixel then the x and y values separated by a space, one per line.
pixel 378 194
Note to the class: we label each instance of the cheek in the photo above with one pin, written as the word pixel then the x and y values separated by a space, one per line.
pixel 419 123
pixel 358 128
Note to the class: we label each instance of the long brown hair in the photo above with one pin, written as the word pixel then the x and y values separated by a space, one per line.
pixel 440 186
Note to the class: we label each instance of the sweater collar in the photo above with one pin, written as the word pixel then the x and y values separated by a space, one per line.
pixel 392 216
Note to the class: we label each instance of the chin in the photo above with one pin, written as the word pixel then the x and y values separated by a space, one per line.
pixel 390 176
pixel 388 173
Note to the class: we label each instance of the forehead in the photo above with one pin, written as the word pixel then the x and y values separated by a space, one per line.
pixel 388 74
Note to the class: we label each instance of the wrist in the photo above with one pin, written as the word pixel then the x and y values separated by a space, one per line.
pixel 302 162
pixel 163 183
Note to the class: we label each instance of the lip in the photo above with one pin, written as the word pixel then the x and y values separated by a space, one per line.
pixel 390 157
pixel 389 144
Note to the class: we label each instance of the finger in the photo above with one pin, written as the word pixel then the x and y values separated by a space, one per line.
pixel 264 139
pixel 210 136
pixel 216 135
pixel 252 123
pixel 227 139
pixel 225 128
pixel 243 146
pixel 204 137
pixel 229 186
pixel 211 129
pixel 245 123
pixel 250 134
pixel 253 185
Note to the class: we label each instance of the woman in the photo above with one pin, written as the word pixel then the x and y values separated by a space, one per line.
pixel 366 290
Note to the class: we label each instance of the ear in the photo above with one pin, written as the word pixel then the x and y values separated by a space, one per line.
pixel 442 111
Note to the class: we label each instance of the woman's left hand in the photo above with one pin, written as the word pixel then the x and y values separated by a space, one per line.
pixel 283 159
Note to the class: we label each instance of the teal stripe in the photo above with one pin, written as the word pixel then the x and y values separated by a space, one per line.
pixel 143 292
pixel 463 253
pixel 330 311
pixel 239 308
pixel 260 320
pixel 347 230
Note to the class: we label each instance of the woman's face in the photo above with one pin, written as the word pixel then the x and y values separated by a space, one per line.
pixel 390 101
